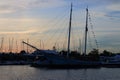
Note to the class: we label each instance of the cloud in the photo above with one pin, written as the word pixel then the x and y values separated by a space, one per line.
pixel 18 32
pixel 11 6
pixel 48 3
pixel 22 26
pixel 114 7
pixel 113 11
pixel 33 17
pixel 98 14
pixel 5 9
pixel 113 1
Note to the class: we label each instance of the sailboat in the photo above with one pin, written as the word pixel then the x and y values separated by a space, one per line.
pixel 51 60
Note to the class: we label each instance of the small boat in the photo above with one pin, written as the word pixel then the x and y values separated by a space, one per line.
pixel 111 61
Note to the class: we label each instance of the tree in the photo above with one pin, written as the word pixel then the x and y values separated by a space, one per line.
pixel 94 52
pixel 107 53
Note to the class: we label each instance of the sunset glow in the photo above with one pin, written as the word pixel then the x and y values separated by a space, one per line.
pixel 45 23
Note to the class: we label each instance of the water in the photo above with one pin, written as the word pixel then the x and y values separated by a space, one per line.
pixel 31 73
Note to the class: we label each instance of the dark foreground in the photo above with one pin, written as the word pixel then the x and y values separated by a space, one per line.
pixel 24 72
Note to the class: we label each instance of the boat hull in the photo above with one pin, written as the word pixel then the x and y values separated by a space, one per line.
pixel 67 66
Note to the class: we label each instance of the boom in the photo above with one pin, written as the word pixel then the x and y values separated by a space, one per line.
pixel 30 45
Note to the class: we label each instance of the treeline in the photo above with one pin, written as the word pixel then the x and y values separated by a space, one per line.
pixel 93 55
pixel 16 57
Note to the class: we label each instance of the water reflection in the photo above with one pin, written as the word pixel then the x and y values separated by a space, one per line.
pixel 31 73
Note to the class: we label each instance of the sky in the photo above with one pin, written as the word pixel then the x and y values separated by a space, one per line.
pixel 45 23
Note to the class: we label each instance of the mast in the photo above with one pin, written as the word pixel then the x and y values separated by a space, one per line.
pixel 9 45
pixel 40 45
pixel 86 30
pixel 80 48
pixel 12 45
pixel 1 48
pixel 16 47
pixel 27 45
pixel 69 31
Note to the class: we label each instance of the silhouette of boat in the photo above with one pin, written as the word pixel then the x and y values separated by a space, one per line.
pixel 51 59
pixel 110 61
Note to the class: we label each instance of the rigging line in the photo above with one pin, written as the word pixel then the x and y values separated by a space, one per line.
pixel 76 30
pixel 83 41
pixel 76 19
pixel 56 30
pixel 90 41
pixel 64 44
pixel 62 27
pixel 60 34
pixel 65 36
pixel 94 36
pixel 56 20
pixel 73 39
pixel 56 35
pixel 59 37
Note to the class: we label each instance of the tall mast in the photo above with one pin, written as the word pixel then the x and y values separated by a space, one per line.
pixel 80 48
pixel 86 30
pixel 12 45
pixel 16 46
pixel 9 45
pixel 69 31
pixel 1 48
pixel 42 44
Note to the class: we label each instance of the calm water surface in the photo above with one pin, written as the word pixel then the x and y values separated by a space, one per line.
pixel 31 73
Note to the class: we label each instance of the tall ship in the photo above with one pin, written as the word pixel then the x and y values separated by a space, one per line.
pixel 51 59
